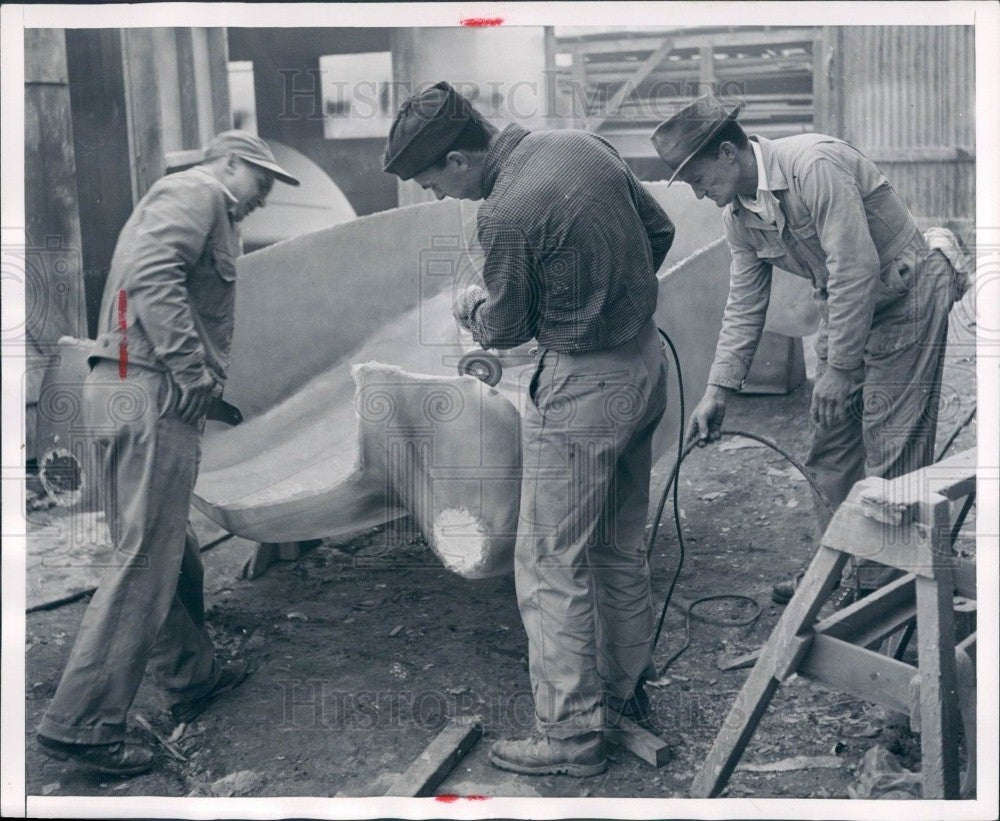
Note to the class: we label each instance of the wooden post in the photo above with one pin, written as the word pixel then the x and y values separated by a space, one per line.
pixel 939 719
pixel 218 68
pixel 706 68
pixel 779 657
pixel 142 109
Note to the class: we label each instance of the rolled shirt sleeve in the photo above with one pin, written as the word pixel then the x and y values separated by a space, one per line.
pixel 746 310
pixel 832 196
pixel 169 240
pixel 510 313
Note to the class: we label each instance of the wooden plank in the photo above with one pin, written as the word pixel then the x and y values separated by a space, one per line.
pixel 894 501
pixel 639 741
pixel 218 66
pixel 632 83
pixel 908 547
pixel 864 621
pixel 922 154
pixel 142 109
pixel 740 662
pixel 753 700
pixel 706 69
pixel 861 672
pixel 190 131
pixel 434 763
pixel 939 719
pixel 740 37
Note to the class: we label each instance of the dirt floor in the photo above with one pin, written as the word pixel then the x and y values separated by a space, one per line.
pixel 362 650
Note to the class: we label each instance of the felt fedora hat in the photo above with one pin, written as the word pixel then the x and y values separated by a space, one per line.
pixel 681 136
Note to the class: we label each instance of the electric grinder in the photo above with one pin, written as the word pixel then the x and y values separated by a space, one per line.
pixel 482 364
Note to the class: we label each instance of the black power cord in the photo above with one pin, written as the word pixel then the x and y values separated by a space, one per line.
pixel 672 482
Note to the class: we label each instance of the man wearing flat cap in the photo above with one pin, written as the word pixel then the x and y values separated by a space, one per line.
pixel 817 207
pixel 161 355
pixel 572 242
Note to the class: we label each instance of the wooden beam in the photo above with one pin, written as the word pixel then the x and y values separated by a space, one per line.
pixel 433 765
pixel 786 640
pixel 190 131
pixel 631 84
pixel 896 501
pixel 638 740
pixel 939 719
pixel 870 620
pixel 921 154
pixel 859 671
pixel 908 547
pixel 706 69
pixel 142 109
pixel 218 67
pixel 737 38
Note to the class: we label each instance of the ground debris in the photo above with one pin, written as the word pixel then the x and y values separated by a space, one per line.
pixel 739 443
pixel 243 782
pixel 798 762
pixel 882 776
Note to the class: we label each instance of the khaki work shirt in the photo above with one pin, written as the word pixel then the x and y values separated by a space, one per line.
pixel 176 262
pixel 840 225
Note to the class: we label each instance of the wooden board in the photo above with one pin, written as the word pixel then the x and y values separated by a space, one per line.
pixel 434 763
pixel 639 741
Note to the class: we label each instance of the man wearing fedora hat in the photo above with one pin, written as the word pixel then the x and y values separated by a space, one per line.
pixel 817 207
pixel 160 357
pixel 572 242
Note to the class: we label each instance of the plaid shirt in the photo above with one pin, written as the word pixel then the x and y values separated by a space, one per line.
pixel 572 243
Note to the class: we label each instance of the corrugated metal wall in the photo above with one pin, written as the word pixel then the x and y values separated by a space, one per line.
pixel 908 101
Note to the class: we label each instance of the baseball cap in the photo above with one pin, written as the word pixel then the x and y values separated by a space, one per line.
pixel 250 148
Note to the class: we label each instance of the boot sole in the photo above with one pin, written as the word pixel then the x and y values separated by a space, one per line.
pixel 59 755
pixel 574 770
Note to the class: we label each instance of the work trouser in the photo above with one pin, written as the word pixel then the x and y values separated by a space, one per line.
pixel 891 421
pixel 580 566
pixel 148 607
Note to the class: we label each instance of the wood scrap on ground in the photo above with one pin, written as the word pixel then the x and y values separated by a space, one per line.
pixel 639 741
pixel 438 759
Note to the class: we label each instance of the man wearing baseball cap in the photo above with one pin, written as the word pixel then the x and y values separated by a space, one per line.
pixel 572 243
pixel 160 357
pixel 817 207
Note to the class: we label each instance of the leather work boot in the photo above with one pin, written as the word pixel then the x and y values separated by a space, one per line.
pixel 233 674
pixel 636 707
pixel 120 759
pixel 579 756
pixel 782 592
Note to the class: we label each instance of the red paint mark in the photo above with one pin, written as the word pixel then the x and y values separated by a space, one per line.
pixel 123 327
pixel 480 22
pixel 447 798
pixel 477 798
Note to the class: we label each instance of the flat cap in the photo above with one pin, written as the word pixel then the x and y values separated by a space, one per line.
pixel 681 136
pixel 250 148
pixel 425 127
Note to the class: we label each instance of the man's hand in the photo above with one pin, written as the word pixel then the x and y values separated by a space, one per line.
pixel 466 302
pixel 829 398
pixel 706 421
pixel 195 399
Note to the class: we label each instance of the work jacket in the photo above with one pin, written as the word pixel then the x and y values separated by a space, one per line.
pixel 170 292
pixel 841 226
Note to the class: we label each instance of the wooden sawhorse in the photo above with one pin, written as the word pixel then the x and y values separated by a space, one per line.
pixel 905 523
